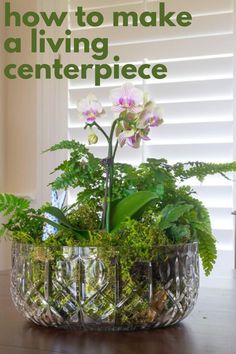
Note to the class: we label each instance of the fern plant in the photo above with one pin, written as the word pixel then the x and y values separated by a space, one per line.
pixel 22 222
pixel 181 216
pixel 81 169
pixel 200 224
pixel 116 198
pixel 200 170
pixel 9 204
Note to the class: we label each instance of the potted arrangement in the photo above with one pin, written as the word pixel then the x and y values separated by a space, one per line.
pixel 124 256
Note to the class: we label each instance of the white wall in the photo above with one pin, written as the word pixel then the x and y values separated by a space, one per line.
pixel 18 136
pixel 4 246
pixel 2 99
pixel 22 140
pixel 21 111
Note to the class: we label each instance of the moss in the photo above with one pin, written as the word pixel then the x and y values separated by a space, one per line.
pixel 42 254
pixel 140 238
pixel 85 217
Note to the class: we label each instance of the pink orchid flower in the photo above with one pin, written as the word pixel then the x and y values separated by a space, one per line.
pixel 150 117
pixel 90 108
pixel 134 141
pixel 133 138
pixel 144 134
pixel 124 136
pixel 127 98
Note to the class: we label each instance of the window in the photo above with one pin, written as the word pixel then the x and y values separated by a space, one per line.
pixel 197 97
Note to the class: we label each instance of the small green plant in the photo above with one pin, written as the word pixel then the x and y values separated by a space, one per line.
pixel 118 205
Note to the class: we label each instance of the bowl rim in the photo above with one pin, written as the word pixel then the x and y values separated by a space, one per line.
pixel 61 247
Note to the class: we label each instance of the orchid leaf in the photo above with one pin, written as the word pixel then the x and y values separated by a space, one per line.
pixel 131 206
pixel 63 221
pixel 83 233
pixel 58 214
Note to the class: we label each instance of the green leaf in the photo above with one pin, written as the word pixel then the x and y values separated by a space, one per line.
pixel 80 169
pixel 82 233
pixel 179 232
pixel 207 247
pixel 171 213
pixel 131 206
pixel 202 169
pixel 201 226
pixel 52 223
pixel 58 214
pixel 160 189
pixel 9 203
pixel 67 145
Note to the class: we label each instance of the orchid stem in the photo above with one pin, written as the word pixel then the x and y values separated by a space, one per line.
pixel 95 124
pixel 105 200
pixel 115 151
pixel 110 171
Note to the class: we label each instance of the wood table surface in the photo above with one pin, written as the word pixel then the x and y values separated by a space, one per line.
pixel 210 329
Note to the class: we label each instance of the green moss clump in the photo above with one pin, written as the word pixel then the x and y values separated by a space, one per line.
pixel 85 217
pixel 140 238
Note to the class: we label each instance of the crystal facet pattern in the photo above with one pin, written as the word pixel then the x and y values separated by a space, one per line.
pixel 100 289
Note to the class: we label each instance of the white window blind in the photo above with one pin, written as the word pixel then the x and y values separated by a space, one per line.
pixel 197 97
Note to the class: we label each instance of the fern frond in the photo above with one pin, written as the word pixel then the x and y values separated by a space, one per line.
pixel 207 247
pixel 9 203
pixel 206 241
pixel 201 169
pixel 81 169
pixel 68 145
pixel 200 224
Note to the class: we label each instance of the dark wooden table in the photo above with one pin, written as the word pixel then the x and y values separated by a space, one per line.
pixel 210 329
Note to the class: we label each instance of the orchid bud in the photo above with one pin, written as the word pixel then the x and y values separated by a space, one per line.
pixel 92 139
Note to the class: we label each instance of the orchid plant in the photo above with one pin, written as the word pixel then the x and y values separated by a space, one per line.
pixel 118 205
pixel 134 116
